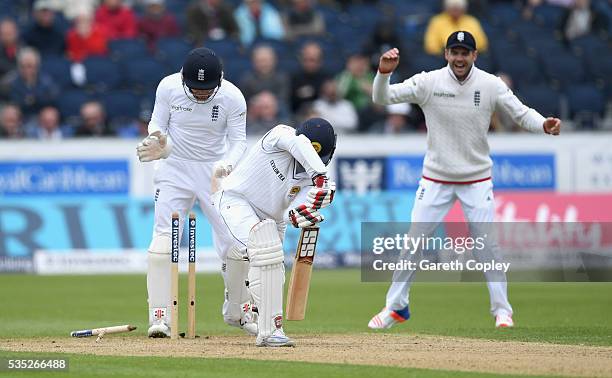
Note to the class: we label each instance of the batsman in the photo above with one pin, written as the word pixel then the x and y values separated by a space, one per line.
pixel 282 179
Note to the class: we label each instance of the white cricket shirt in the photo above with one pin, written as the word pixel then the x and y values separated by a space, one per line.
pixel 200 132
pixel 275 173
pixel 457 115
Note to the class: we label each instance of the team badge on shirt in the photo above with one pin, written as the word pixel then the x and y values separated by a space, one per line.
pixel 215 113
pixel 293 192
pixel 477 98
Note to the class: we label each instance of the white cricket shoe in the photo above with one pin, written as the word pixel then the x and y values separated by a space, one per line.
pixel 247 322
pixel 159 329
pixel 504 321
pixel 387 318
pixel 276 339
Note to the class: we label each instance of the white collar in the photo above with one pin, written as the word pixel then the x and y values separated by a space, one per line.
pixel 469 75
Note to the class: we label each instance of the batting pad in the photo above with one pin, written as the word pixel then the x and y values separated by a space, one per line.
pixel 266 275
pixel 236 291
pixel 158 272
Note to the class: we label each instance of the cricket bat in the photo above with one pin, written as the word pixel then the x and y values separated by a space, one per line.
pixel 297 294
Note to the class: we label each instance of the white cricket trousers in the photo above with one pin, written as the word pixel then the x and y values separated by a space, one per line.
pixel 178 184
pixel 432 202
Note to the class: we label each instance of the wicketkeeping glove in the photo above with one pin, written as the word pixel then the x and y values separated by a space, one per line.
pixel 305 216
pixel 153 148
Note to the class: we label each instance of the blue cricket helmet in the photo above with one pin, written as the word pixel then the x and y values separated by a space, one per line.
pixel 202 69
pixel 322 136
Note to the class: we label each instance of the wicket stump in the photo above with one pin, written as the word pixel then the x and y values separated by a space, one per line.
pixel 191 277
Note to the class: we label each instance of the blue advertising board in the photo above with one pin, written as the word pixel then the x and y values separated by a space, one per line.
pixel 510 172
pixel 122 222
pixel 65 177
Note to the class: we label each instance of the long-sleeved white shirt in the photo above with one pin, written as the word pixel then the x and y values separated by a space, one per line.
pixel 201 132
pixel 275 173
pixel 457 115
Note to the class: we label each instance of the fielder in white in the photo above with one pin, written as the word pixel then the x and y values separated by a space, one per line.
pixel 281 179
pixel 458 101
pixel 197 129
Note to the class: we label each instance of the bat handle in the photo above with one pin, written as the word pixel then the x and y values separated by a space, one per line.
pixel 320 181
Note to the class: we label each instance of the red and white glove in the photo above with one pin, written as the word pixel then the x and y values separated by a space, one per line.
pixel 305 216
pixel 320 197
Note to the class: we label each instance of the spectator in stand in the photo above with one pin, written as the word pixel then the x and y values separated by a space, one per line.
pixel 73 8
pixel 258 19
pixel 118 19
pixel 47 126
pixel 86 38
pixel 9 45
pixel 307 81
pixel 93 121
pixel 29 88
pixel 11 124
pixel 453 18
pixel 582 19
pixel 263 114
pixel 381 40
pixel 156 23
pixel 396 120
pixel 210 19
pixel 303 20
pixel 44 33
pixel 355 82
pixel 338 111
pixel 265 76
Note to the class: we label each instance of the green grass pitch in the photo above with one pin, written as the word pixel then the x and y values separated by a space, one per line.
pixel 567 313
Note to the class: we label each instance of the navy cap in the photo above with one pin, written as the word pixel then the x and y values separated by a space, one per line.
pixel 461 39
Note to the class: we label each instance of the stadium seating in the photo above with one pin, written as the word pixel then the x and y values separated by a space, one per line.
pixel 121 107
pixel 144 75
pixel 69 104
pixel 124 49
pixel 172 51
pixel 586 105
pixel 521 69
pixel 546 71
pixel 563 70
pixel 541 98
pixel 59 69
pixel 102 74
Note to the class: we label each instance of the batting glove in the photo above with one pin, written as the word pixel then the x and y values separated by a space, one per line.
pixel 319 198
pixel 305 216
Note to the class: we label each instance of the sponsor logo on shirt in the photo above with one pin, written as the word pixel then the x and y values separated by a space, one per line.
pixel 277 171
pixel 179 108
pixel 444 94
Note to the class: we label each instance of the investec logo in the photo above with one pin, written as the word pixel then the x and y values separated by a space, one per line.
pixel 192 256
pixel 180 108
pixel 175 240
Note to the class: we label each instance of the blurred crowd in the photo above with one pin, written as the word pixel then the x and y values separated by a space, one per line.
pixel 83 68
